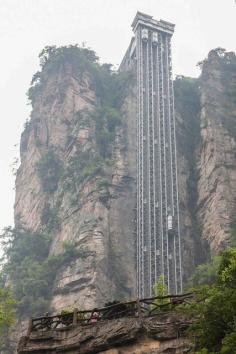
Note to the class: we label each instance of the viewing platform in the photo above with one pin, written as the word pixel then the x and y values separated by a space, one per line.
pixel 124 327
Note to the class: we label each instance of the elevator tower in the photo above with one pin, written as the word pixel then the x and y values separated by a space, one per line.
pixel 157 209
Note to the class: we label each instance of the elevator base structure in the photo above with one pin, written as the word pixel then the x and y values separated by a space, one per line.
pixel 157 209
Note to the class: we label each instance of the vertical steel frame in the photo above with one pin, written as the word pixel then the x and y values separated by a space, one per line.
pixel 157 209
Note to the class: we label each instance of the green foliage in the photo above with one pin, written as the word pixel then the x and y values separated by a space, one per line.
pixel 91 169
pixel 233 233
pixel 38 143
pixel 227 269
pixel 188 107
pixel 82 119
pixel 205 273
pixel 187 102
pixel 203 351
pixel 103 183
pixel 31 269
pixel 49 218
pixel 52 58
pixel 7 316
pixel 86 164
pixel 229 342
pixel 70 252
pixel 82 165
pixel 49 170
pixel 106 120
pixel 187 89
pixel 110 88
pixel 224 92
pixel 215 306
pixel 160 289
pixel 227 60
pixel 65 312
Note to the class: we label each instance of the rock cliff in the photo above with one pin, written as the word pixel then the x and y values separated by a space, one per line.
pixel 187 113
pixel 76 181
pixel 217 158
pixel 206 121
pixel 74 184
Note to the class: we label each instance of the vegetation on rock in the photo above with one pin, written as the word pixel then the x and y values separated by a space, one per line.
pixel 49 171
pixel 7 316
pixel 30 268
pixel 224 90
pixel 214 308
pixel 50 219
pixel 53 58
pixel 160 289
pixel 110 88
pixel 187 104
pixel 188 109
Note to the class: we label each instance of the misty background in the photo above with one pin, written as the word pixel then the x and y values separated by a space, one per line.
pixel 26 26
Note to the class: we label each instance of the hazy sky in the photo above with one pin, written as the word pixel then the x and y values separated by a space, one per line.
pixel 26 26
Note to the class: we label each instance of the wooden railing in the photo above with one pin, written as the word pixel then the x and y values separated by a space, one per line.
pixel 137 308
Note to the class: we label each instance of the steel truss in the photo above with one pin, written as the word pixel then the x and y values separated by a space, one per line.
pixel 157 219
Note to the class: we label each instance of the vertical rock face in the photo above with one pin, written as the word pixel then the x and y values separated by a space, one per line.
pixel 206 133
pixel 65 188
pixel 81 191
pixel 187 113
pixel 217 161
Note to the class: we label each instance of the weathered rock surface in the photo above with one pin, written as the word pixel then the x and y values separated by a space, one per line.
pixel 100 220
pixel 98 217
pixel 217 162
pixel 157 335
pixel 187 115
pixel 206 142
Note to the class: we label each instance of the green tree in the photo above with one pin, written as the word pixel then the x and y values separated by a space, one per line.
pixel 31 269
pixel 205 274
pixel 49 170
pixel 160 289
pixel 215 308
pixel 7 315
pixel 229 342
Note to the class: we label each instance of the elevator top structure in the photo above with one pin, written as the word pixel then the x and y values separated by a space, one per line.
pixel 149 22
pixel 145 21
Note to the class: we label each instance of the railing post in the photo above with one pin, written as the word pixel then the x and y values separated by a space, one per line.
pixel 30 326
pixel 75 317
pixel 140 314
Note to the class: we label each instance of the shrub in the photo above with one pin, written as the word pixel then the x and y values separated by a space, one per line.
pixel 31 269
pixel 160 289
pixel 110 88
pixel 215 307
pixel 49 218
pixel 49 171
pixel 7 316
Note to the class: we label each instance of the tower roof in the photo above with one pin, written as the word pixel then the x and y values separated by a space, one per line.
pixel 148 21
